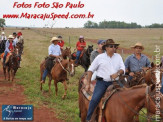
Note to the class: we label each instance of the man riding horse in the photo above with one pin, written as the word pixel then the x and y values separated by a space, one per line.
pixel 3 40
pixel 95 53
pixel 109 67
pixel 10 47
pixel 135 62
pixel 54 52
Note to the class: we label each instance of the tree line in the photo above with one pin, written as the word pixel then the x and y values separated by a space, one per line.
pixel 118 24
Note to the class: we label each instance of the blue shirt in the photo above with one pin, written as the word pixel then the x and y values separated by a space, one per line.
pixel 8 44
pixel 135 65
pixel 54 50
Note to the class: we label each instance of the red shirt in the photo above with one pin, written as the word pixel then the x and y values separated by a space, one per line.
pixel 78 45
pixel 61 43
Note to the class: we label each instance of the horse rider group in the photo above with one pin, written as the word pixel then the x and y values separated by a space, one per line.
pixel 107 65
pixel 9 45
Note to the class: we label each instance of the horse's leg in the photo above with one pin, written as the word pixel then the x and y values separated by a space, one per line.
pixel 8 74
pixel 50 79
pixel 56 88
pixel 4 71
pixel 65 86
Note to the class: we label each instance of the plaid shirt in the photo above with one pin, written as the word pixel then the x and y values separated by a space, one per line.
pixel 135 65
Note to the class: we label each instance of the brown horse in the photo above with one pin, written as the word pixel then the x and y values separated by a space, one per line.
pixel 59 74
pixel 66 53
pixel 120 107
pixel 11 65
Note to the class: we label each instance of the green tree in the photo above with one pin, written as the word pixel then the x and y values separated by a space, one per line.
pixel 2 22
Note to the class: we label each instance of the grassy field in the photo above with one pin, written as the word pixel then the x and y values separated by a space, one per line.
pixel 36 49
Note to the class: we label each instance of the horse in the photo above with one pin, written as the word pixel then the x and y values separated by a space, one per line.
pixel 59 74
pixel 84 59
pixel 120 101
pixel 66 53
pixel 11 65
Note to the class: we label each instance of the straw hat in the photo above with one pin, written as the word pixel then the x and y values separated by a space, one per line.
pixel 54 39
pixel 109 42
pixel 138 44
pixel 10 37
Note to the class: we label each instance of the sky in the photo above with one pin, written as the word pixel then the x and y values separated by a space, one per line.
pixel 143 12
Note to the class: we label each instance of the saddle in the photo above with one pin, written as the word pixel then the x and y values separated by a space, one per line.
pixel 108 94
pixel 74 54
pixel 7 57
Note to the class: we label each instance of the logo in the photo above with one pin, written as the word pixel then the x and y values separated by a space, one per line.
pixel 17 112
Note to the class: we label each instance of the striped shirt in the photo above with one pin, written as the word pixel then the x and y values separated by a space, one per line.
pixel 106 65
pixel 135 65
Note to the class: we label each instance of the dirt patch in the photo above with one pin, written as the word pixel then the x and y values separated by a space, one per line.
pixel 14 95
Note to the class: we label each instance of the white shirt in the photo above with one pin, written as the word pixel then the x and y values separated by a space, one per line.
pixel 54 50
pixel 3 38
pixel 106 66
pixel 16 40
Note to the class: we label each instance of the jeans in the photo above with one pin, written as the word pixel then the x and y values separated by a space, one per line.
pixel 161 90
pixel 77 56
pixel 4 57
pixel 98 93
pixel 44 74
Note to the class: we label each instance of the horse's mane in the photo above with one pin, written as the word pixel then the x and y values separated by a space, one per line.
pixel 134 87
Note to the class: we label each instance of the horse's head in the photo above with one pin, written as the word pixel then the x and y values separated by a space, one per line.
pixel 71 67
pixel 153 74
pixel 66 52
pixel 89 49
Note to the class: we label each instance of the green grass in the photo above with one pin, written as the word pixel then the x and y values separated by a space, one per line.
pixel 36 48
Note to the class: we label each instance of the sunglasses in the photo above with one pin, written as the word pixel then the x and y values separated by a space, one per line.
pixel 112 46
pixel 138 47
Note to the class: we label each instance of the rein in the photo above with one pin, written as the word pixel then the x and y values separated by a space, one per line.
pixel 67 70
pixel 137 113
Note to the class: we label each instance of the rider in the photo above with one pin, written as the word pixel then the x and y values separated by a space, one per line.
pixel 3 40
pixel 109 67
pixel 80 45
pixel 135 62
pixel 54 52
pixel 10 45
pixel 95 53
pixel 60 42
pixel 15 37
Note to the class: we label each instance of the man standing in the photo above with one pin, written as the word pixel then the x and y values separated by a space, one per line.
pixel 109 67
pixel 54 52
pixel 135 62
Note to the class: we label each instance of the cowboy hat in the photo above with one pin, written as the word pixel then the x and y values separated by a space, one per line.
pixel 54 39
pixel 3 33
pixel 138 44
pixel 10 37
pixel 109 42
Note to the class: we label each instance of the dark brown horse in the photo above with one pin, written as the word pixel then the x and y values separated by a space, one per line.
pixel 11 65
pixel 59 74
pixel 66 53
pixel 121 107
pixel 84 59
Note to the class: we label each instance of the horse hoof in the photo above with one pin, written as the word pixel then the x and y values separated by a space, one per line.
pixel 63 97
